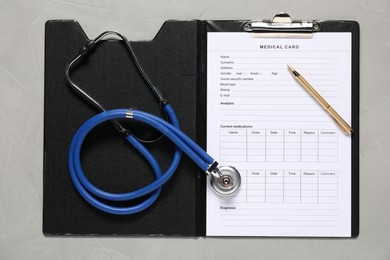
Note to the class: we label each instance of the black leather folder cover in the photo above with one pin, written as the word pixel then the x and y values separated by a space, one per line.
pixel 110 76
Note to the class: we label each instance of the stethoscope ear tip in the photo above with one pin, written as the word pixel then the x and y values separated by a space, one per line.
pixel 227 182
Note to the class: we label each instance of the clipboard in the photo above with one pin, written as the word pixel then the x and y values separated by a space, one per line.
pixel 181 208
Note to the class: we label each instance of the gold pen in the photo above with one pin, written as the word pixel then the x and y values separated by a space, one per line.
pixel 339 120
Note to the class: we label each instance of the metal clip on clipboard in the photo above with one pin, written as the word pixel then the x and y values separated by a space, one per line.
pixel 282 26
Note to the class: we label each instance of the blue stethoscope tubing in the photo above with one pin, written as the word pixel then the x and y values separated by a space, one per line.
pixel 171 130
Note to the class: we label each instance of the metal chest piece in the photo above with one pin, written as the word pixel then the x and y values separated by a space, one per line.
pixel 227 181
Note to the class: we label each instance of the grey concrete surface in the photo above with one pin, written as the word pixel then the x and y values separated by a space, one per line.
pixel 21 128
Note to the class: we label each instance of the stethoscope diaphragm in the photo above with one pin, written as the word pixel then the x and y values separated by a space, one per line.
pixel 226 181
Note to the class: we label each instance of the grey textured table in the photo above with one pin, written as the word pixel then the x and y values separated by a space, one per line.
pixel 21 128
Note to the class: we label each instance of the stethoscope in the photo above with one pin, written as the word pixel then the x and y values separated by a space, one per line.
pixel 225 180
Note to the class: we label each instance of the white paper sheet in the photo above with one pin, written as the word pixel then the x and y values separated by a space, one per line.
pixel 294 161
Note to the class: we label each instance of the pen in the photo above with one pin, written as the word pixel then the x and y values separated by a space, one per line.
pixel 339 120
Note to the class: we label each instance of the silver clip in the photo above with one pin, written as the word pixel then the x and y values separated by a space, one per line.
pixel 282 26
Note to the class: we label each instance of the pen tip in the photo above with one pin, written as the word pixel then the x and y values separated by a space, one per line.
pixel 293 71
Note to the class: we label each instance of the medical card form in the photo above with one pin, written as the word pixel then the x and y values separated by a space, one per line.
pixel 294 160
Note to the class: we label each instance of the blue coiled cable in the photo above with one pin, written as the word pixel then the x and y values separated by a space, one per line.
pixel 171 130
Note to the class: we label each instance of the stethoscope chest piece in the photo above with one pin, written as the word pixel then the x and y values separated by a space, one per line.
pixel 227 181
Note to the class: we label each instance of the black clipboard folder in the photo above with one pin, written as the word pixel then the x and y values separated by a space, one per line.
pixel 175 60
